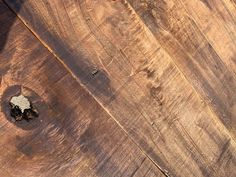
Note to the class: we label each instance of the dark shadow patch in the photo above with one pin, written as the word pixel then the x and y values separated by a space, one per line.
pixel 90 146
pixel 63 137
pixel 7 19
pixel 161 161
pixel 234 2
pixel 81 66
pixel 150 73
pixel 207 4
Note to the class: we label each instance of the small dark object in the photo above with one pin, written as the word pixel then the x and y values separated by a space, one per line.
pixel 94 72
pixel 16 113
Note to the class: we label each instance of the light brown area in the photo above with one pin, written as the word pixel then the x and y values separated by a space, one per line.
pixel 127 88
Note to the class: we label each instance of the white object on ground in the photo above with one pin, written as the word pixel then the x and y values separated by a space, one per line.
pixel 20 101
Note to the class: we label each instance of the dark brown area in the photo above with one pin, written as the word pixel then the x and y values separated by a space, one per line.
pixel 5 29
pixel 123 88
pixel 6 25
pixel 73 135
pixel 79 64
pixel 207 4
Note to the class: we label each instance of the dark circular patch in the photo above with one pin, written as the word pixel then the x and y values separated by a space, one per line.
pixel 12 114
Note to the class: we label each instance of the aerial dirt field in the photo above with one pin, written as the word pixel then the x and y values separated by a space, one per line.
pixel 117 88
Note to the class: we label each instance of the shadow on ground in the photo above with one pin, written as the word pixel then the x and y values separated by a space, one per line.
pixel 7 19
